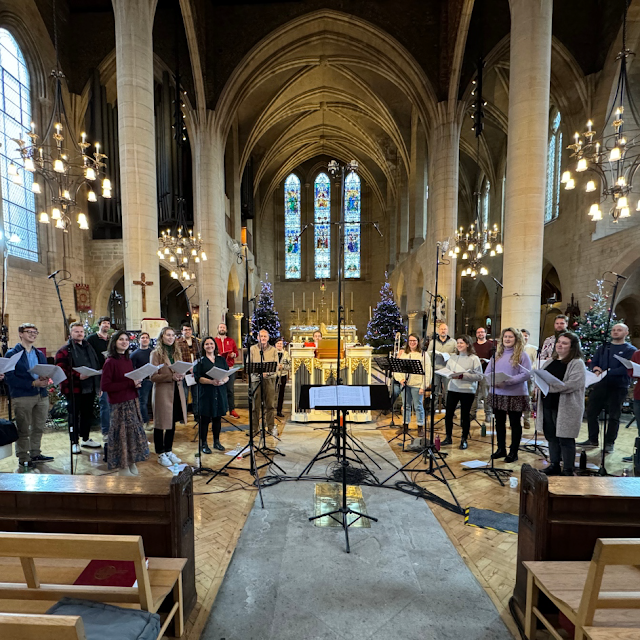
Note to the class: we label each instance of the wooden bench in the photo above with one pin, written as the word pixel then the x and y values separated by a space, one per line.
pixel 603 594
pixel 18 626
pixel 610 633
pixel 39 569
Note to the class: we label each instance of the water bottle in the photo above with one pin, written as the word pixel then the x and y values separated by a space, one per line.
pixel 625 472
pixel 239 450
pixel 483 430
pixel 174 469
pixel 437 443
pixel 583 460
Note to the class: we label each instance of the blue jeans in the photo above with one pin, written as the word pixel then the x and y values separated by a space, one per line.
pixel 105 413
pixel 143 393
pixel 413 399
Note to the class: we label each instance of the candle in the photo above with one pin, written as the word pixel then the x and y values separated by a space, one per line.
pixel 84 137
pixel 313 300
pixel 293 300
pixel 304 299
pixel 369 313
pixel 332 302
pixel 97 147
pixel 351 307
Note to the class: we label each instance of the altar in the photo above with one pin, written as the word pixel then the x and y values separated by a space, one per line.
pixel 307 368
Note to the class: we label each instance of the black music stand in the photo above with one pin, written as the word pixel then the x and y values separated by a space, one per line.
pixel 258 368
pixel 332 447
pixel 385 366
pixel 341 514
pixel 407 367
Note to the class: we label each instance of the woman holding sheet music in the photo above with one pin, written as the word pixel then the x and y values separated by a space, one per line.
pixel 562 408
pixel 127 443
pixel 169 402
pixel 416 384
pixel 212 394
pixel 510 396
pixel 462 388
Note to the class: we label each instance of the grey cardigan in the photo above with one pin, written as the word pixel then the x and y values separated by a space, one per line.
pixel 571 405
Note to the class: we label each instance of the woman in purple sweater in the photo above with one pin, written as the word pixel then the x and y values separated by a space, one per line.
pixel 511 396
pixel 127 439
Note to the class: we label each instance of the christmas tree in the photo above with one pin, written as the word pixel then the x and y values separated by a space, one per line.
pixel 265 315
pixel 591 327
pixel 385 322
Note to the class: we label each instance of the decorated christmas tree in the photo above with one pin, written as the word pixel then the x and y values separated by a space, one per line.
pixel 265 315
pixel 591 327
pixel 385 322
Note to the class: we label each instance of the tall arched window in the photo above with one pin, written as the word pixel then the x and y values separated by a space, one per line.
pixel 292 227
pixel 352 226
pixel 322 220
pixel 18 201
pixel 554 158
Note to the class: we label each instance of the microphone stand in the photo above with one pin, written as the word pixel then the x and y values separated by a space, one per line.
pixel 71 403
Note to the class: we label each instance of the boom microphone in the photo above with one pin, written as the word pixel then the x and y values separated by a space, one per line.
pixel 55 273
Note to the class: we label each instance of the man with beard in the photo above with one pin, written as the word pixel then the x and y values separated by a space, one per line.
pixel 560 325
pixel 227 349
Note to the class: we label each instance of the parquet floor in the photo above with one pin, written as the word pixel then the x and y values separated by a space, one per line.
pixel 221 507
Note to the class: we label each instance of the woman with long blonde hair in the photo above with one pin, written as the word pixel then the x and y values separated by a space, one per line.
pixel 510 397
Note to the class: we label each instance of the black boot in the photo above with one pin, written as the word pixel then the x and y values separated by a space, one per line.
pixel 500 452
pixel 217 445
pixel 513 456
pixel 463 444
pixel 205 448
pixel 447 441
pixel 104 452
pixel 552 470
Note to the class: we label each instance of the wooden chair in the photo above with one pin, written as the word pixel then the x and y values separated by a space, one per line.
pixel 18 626
pixel 605 604
pixel 39 569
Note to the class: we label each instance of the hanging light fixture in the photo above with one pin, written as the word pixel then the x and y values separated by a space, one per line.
pixel 178 245
pixel 61 170
pixel 614 156
pixel 477 243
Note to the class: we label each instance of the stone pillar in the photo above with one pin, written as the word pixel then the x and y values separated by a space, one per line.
pixel 137 148
pixel 529 80
pixel 443 200
pixel 209 201
pixel 417 213
pixel 402 204
pixel 413 323
pixel 392 229
pixel 238 329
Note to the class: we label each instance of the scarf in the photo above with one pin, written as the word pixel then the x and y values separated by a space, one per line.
pixel 169 351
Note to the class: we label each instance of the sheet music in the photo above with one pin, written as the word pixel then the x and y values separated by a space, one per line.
pixel 52 371
pixel 180 367
pixel 339 396
pixel 190 379
pixel 592 378
pixel 543 378
pixel 500 377
pixel 87 371
pixel 220 374
pixel 447 373
pixel 9 364
pixel 630 365
pixel 143 372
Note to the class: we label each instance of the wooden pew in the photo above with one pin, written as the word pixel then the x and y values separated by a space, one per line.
pixel 21 626
pixel 584 594
pixel 562 517
pixel 158 509
pixel 38 570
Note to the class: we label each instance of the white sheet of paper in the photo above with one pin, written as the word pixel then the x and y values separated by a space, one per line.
pixel 190 379
pixel 543 378
pixel 592 378
pixel 629 365
pixel 445 372
pixel 88 371
pixel 180 367
pixel 474 464
pixel 9 364
pixel 220 374
pixel 52 371
pixel 445 356
pixel 500 377
pixel 143 372
pixel 339 396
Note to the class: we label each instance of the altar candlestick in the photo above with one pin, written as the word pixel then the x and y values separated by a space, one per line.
pixel 332 301
pixel 293 300
pixel 313 300
pixel 369 314
pixel 351 307
pixel 304 299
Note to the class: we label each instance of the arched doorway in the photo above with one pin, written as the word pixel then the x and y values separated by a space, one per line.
pixel 173 303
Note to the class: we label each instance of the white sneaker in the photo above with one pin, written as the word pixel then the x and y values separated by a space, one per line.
pixel 76 448
pixel 133 469
pixel 148 427
pixel 124 472
pixel 164 460
pixel 91 443
pixel 274 432
pixel 173 457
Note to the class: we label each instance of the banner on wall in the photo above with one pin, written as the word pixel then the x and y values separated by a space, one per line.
pixel 83 297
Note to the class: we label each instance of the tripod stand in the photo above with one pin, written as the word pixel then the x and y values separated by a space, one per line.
pixel 436 461
pixel 407 367
pixel 492 471
pixel 341 515
pixel 384 365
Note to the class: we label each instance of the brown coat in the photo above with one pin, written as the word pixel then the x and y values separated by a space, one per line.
pixel 162 398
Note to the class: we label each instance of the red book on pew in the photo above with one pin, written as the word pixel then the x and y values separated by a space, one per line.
pixel 109 573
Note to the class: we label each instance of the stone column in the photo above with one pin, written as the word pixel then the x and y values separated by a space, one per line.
pixel 238 332
pixel 529 80
pixel 417 211
pixel 443 200
pixel 209 203
pixel 413 322
pixel 391 229
pixel 137 148
pixel 402 204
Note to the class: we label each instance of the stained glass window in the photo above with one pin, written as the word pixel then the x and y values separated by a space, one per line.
pixel 352 226
pixel 292 227
pixel 18 201
pixel 322 219
pixel 554 170
pixel 485 204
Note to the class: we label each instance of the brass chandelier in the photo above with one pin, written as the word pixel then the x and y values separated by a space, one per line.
pixel 614 156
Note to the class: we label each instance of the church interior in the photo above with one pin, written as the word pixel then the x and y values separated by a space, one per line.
pixel 181 179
